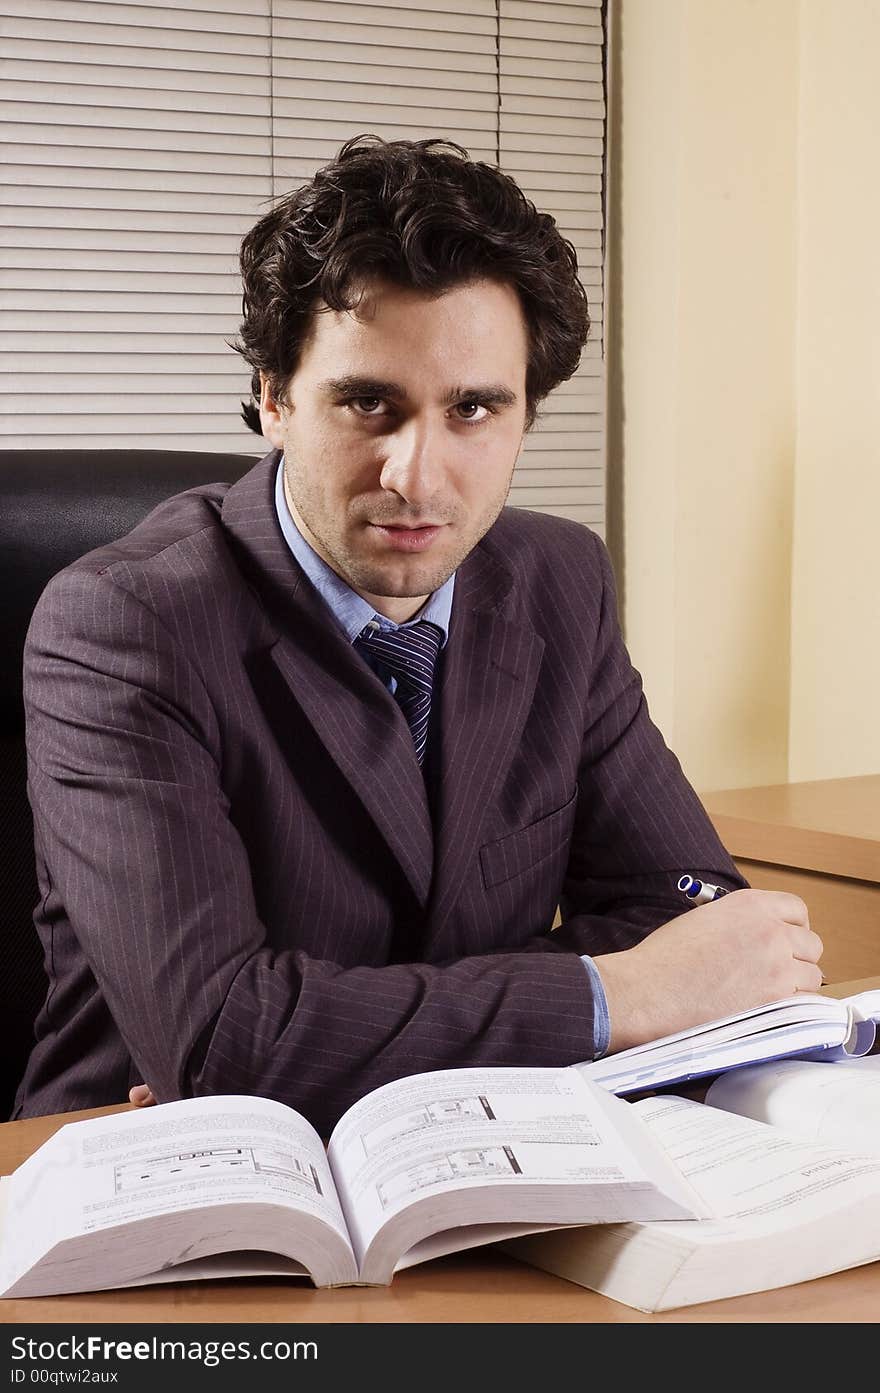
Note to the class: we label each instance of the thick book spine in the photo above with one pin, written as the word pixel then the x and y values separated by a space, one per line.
pixel 860 1038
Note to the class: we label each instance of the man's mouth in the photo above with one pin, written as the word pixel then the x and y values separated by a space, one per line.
pixel 403 538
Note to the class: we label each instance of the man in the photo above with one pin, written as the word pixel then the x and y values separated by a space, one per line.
pixel 314 759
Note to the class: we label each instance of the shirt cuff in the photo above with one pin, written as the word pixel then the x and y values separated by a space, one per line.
pixel 601 1018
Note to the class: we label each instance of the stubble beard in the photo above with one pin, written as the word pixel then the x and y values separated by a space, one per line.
pixel 422 576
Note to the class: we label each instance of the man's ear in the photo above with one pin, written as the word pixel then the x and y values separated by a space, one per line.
pixel 270 415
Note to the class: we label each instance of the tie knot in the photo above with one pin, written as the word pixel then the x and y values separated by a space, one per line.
pixel 409 654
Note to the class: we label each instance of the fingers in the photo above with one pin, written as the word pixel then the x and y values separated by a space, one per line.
pixel 141 1096
pixel 808 977
pixel 790 908
pixel 808 948
pixel 806 945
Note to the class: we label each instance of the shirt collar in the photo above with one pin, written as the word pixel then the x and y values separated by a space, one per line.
pixel 349 609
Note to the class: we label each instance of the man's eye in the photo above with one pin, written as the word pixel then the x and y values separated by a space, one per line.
pixel 367 406
pixel 472 411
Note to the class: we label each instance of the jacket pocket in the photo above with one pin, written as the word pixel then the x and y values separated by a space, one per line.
pixel 518 852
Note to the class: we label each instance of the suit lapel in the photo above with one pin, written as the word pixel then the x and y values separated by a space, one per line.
pixel 364 732
pixel 359 724
pixel 490 670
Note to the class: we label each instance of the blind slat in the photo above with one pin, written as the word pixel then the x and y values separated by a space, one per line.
pixel 477 109
pixel 326 74
pixel 103 239
pixel 335 96
pixel 136 426
pixel 317 152
pixel 30 121
pixel 293 16
pixel 587 87
pixel 208 8
pixel 524 497
pixel 136 385
pixel 63 306
pixel 171 262
pixel 96 140
pixel 249 17
pixel 446 38
pixel 98 157
pixel 100 361
pixel 63 280
pixel 92 74
pixel 127 219
pixel 58 320
pixel 206 439
pixel 436 7
pixel 523 162
pixel 450 59
pixel 555 48
pixel 560 14
pixel 579 107
pixel 117 56
pixel 122 181
pixel 164 345
pixel 118 99
pixel 142 199
pixel 70 35
pixel 543 29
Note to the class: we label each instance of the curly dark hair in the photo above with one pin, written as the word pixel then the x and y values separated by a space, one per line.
pixel 417 213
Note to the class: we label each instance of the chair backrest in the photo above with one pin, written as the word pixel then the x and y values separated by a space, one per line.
pixel 56 505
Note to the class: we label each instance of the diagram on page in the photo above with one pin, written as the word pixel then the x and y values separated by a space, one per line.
pixel 172 1168
pixel 479 1162
pixel 432 1114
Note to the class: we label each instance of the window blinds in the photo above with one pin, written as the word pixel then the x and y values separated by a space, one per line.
pixel 551 141
pixel 138 142
pixel 142 140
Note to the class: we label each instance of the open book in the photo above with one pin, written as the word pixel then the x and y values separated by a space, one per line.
pixel 420 1167
pixel 793 1207
pixel 817 1027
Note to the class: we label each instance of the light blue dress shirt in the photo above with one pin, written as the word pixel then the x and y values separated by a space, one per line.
pixel 352 614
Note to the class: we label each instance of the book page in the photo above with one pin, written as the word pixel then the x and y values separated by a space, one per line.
pixel 793 1025
pixel 188 1155
pixel 836 1103
pixel 444 1132
pixel 763 1179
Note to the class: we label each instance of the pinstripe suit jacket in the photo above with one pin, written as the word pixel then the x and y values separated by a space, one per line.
pixel 245 886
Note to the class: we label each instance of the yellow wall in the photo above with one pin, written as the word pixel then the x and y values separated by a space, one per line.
pixel 725 253
pixel 835 653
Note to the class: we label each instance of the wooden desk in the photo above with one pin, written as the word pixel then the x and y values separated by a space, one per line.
pixel 822 841
pixel 477 1287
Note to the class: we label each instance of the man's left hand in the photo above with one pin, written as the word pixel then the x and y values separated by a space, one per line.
pixel 141 1096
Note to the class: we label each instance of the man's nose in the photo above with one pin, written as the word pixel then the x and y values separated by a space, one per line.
pixel 413 465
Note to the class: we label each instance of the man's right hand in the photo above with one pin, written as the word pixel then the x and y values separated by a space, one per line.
pixel 141 1096
pixel 742 950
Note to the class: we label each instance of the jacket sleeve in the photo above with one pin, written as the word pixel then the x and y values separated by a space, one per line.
pixel 143 860
pixel 639 824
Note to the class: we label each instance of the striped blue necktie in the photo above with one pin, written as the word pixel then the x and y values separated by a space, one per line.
pixel 408 655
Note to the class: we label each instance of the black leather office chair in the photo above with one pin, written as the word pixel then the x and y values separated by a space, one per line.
pixel 56 505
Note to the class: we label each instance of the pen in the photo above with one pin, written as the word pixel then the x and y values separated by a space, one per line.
pixel 700 891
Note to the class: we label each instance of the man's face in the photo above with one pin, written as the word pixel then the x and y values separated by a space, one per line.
pixel 400 431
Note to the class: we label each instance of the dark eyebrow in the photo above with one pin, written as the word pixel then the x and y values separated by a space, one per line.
pixel 362 387
pixel 491 394
pixel 352 386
